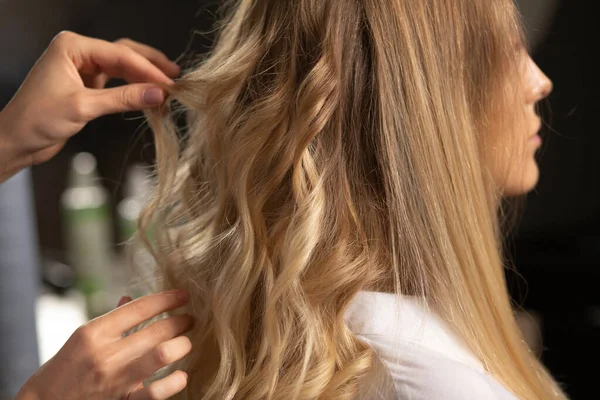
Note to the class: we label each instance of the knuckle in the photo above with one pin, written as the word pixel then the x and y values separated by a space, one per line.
pixel 123 55
pixel 124 41
pixel 126 51
pixel 79 107
pixel 157 331
pixel 139 308
pixel 84 337
pixel 64 38
pixel 126 98
pixel 81 333
pixel 163 355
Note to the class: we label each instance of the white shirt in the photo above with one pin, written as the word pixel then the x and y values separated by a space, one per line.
pixel 420 358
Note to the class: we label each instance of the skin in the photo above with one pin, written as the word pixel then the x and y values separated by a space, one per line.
pixel 516 171
pixel 65 90
pixel 98 363
pixel 62 93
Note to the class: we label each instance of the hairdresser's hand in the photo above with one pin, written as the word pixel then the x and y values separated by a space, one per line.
pixel 97 363
pixel 65 90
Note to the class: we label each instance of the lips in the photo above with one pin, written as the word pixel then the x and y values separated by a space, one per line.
pixel 536 140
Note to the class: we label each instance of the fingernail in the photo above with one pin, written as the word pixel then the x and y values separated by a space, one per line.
pixel 124 300
pixel 153 96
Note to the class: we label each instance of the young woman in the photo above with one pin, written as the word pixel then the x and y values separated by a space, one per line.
pixel 333 204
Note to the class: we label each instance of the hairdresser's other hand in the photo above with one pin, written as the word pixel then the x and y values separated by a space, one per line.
pixel 98 363
pixel 65 90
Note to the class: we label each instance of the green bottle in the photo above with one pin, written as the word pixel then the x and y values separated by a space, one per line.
pixel 87 223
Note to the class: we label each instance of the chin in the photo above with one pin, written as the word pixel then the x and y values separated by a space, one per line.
pixel 521 184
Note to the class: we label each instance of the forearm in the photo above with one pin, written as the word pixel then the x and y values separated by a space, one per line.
pixel 12 158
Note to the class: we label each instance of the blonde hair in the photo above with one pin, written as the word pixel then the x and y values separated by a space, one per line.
pixel 333 147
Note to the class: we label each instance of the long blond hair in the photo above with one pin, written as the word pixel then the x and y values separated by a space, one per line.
pixel 333 147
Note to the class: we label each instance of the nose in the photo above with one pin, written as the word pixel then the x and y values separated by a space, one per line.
pixel 541 85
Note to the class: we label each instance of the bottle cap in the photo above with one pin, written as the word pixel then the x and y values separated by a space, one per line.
pixel 83 171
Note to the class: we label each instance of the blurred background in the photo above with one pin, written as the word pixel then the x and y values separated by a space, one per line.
pixel 42 218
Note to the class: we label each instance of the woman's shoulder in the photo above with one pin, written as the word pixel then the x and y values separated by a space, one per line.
pixel 419 374
pixel 419 357
pixel 389 319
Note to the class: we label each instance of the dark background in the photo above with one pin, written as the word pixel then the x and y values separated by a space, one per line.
pixel 557 249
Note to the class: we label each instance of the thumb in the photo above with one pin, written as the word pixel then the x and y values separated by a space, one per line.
pixel 133 97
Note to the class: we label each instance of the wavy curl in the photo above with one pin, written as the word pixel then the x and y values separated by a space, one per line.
pixel 333 147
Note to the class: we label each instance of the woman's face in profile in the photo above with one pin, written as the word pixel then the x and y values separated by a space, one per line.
pixel 516 171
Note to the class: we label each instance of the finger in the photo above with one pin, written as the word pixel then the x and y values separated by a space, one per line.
pixel 153 55
pixel 95 81
pixel 122 319
pixel 133 97
pixel 162 389
pixel 148 339
pixel 124 300
pixel 117 61
pixel 164 354
pixel 156 57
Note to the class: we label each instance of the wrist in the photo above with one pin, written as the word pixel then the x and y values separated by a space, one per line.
pixel 12 156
